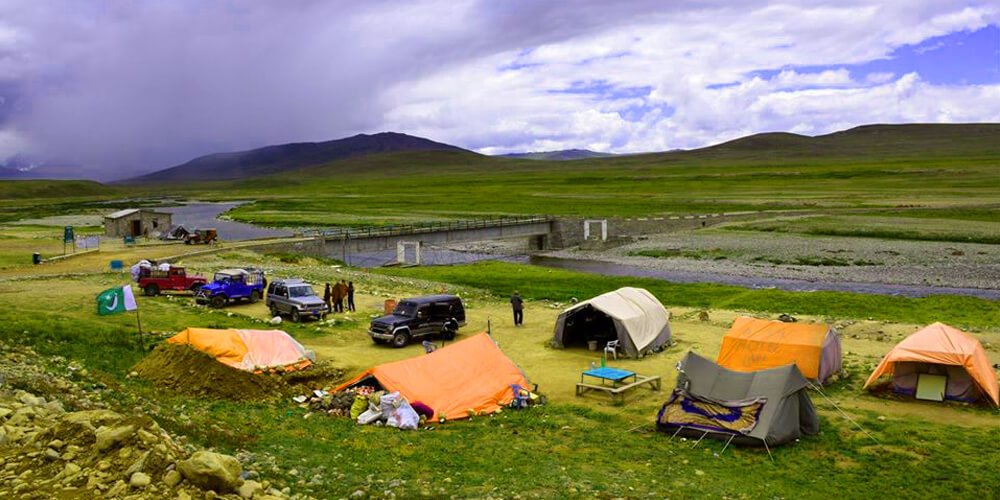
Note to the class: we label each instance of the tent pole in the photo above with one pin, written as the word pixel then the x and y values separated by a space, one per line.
pixel 679 429
pixel 727 444
pixel 842 412
pixel 769 455
pixel 699 440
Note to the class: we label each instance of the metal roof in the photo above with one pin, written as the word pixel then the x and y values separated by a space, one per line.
pixel 129 211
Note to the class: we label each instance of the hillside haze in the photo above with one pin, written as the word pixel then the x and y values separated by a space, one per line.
pixel 273 160
pixel 561 155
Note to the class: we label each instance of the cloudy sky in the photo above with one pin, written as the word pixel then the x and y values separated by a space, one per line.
pixel 131 86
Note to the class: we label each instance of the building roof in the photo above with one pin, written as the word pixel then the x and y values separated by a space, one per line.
pixel 129 211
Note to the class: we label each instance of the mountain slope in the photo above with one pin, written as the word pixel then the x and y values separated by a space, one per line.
pixel 276 159
pixel 561 155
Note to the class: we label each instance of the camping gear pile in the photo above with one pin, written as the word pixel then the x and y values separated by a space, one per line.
pixel 468 378
pixel 632 317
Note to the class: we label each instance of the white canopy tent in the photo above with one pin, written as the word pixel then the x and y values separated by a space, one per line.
pixel 633 316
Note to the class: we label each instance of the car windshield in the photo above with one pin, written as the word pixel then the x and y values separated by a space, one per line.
pixel 407 309
pixel 225 276
pixel 301 291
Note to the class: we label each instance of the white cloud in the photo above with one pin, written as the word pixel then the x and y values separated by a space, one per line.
pixel 704 69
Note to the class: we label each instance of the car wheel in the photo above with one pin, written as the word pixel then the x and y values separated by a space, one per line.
pixel 400 339
pixel 218 301
pixel 254 296
pixel 152 290
pixel 296 317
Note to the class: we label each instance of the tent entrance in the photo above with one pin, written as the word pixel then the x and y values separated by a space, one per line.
pixel 368 381
pixel 588 324
pixel 959 385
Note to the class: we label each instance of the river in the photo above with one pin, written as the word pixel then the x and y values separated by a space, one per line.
pixel 205 215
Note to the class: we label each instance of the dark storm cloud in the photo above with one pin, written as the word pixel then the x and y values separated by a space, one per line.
pixel 131 86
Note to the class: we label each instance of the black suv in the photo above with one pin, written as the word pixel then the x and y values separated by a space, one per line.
pixel 419 317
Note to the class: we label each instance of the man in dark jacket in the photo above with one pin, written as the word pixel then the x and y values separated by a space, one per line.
pixel 517 304
pixel 350 296
pixel 327 296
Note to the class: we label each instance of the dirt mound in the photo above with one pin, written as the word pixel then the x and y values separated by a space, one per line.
pixel 186 370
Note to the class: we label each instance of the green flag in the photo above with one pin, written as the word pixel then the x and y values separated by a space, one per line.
pixel 116 300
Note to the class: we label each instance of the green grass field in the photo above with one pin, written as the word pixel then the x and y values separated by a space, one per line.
pixel 573 448
pixel 891 228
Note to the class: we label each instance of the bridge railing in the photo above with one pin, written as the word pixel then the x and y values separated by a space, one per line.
pixel 421 228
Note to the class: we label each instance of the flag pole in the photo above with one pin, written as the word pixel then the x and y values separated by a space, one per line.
pixel 138 323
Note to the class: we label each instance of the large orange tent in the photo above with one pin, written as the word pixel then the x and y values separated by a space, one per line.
pixel 758 344
pixel 472 374
pixel 250 350
pixel 941 349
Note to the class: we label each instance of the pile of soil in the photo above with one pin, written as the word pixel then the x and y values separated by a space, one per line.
pixel 186 370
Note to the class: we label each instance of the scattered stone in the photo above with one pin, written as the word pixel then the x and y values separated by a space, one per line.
pixel 139 480
pixel 111 437
pixel 250 489
pixel 51 454
pixel 172 478
pixel 210 470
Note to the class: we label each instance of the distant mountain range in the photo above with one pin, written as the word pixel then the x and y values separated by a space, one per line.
pixel 391 153
pixel 561 155
pixel 276 159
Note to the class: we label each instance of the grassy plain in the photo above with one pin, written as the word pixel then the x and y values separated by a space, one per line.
pixel 574 447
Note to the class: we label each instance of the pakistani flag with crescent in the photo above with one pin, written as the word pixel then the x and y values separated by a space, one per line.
pixel 116 300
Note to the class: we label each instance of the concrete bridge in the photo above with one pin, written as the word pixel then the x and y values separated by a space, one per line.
pixel 343 242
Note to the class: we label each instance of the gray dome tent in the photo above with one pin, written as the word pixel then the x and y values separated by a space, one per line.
pixel 632 316
pixel 766 407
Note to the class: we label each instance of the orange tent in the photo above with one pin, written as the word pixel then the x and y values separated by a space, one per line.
pixel 940 344
pixel 250 350
pixel 472 374
pixel 758 344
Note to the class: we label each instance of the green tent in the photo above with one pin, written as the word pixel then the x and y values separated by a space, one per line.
pixel 766 407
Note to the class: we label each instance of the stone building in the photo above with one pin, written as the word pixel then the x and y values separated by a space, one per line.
pixel 136 222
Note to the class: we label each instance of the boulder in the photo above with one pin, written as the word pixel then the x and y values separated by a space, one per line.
pixel 172 478
pixel 211 471
pixel 107 438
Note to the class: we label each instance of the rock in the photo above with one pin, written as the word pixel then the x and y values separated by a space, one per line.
pixel 212 471
pixel 4 412
pixel 139 480
pixel 51 454
pixel 183 495
pixel 111 437
pixel 138 466
pixel 172 478
pixel 118 489
pixel 358 494
pixel 250 489
pixel 56 444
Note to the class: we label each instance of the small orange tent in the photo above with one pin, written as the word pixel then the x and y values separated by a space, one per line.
pixel 472 374
pixel 758 344
pixel 937 348
pixel 249 350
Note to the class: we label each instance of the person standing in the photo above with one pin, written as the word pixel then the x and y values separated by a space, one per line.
pixel 327 295
pixel 339 294
pixel 350 296
pixel 517 304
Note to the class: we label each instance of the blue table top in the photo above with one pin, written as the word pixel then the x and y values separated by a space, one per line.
pixel 609 373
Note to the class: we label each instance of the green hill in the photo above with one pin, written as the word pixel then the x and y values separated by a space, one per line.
pixel 30 189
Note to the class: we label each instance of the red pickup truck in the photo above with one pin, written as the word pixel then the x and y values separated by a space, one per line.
pixel 152 280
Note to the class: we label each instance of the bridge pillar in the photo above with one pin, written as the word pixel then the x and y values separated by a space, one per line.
pixel 604 228
pixel 401 251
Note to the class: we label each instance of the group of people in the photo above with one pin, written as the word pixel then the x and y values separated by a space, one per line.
pixel 335 295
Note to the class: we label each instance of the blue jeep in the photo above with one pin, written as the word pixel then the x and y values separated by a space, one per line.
pixel 230 285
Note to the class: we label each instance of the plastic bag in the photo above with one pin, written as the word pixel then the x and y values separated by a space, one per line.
pixel 406 417
pixel 370 415
pixel 359 406
pixel 387 404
